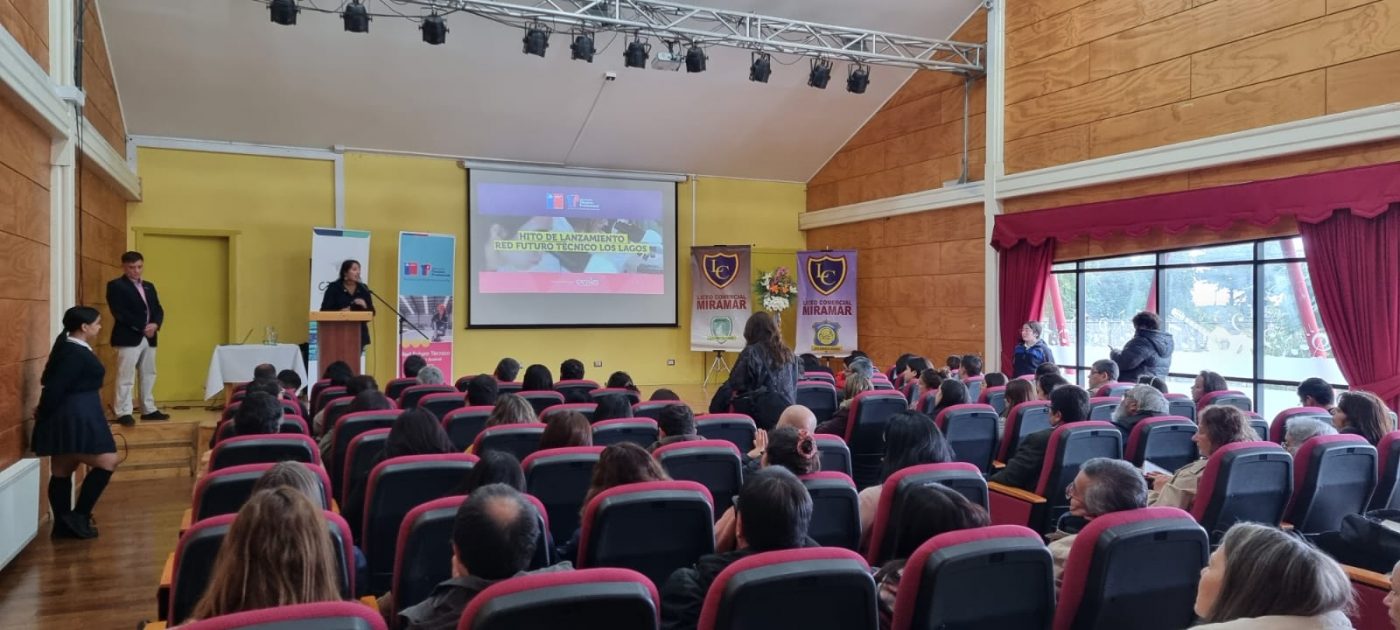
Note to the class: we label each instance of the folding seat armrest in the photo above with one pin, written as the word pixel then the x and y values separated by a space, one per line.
pixel 371 601
pixel 1015 493
pixel 167 577
pixel 1366 577
pixel 167 574
pixel 186 520
pixel 154 625
pixel 1011 506
pixel 998 464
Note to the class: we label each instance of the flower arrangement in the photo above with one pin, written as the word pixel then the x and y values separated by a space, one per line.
pixel 776 289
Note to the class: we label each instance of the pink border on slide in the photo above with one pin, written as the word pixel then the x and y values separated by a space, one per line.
pixel 545 282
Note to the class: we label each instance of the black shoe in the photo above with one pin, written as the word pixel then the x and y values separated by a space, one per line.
pixel 61 528
pixel 155 415
pixel 126 421
pixel 79 525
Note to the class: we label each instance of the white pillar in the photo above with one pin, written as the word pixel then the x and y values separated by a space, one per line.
pixel 995 170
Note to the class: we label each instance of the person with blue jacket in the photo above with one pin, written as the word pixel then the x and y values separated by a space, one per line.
pixel 1031 352
pixel 1148 353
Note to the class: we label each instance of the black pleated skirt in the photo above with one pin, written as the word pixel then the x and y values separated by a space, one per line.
pixel 78 426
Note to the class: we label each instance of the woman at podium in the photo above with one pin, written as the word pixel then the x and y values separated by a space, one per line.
pixel 347 293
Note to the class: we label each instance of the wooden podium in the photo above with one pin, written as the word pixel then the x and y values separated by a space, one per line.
pixel 338 337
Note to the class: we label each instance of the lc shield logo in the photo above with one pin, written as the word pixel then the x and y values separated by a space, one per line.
pixel 719 269
pixel 826 273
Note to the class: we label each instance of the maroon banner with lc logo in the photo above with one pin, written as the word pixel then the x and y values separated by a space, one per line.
pixel 826 302
pixel 720 299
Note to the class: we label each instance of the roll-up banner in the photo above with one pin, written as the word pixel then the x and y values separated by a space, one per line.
pixel 720 300
pixel 426 266
pixel 826 303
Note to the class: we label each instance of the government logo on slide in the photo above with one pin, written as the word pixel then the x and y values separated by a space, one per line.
pixel 826 273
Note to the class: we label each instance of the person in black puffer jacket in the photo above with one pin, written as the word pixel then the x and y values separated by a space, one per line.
pixel 1149 352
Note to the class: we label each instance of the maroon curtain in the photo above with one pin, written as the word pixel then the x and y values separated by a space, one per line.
pixel 1354 261
pixel 1025 270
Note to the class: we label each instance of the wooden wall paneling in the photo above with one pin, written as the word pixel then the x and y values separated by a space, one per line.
pixel 1060 71
pixel 24 268
pixel 1358 33
pixel 28 22
pixel 1334 6
pixel 1155 85
pixel 1048 149
pixel 103 104
pixel 1271 102
pixel 1082 24
pixel 24 206
pixel 1023 14
pixel 1363 83
pixel 23 146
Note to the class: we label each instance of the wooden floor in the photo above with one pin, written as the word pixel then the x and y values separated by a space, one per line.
pixel 105 583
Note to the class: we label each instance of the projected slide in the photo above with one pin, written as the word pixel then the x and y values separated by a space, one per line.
pixel 558 249
pixel 561 239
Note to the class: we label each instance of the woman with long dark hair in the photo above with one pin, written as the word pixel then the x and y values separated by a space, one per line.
pixel 537 379
pixel 414 432
pixel 911 439
pixel 347 293
pixel 70 425
pixel 950 392
pixel 1362 413
pixel 764 378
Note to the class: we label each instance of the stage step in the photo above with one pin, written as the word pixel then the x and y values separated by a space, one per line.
pixel 155 450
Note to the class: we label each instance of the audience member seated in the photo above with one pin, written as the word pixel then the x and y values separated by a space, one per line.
pixel 897 374
pixel 952 366
pixel 1148 352
pixel 1047 383
pixel 773 512
pixel 793 449
pixel 971 366
pixel 325 419
pixel 1207 382
pixel 1017 392
pixel 620 380
pixel 565 428
pixel 260 414
pixel 855 384
pixel 1263 578
pixel 950 392
pixel 1362 413
pixel 370 400
pixel 1139 403
pixel 929 381
pixel 1032 352
pixel 796 416
pixel 482 391
pixel 676 424
pixel 414 432
pixel 506 370
pixel 537 379
pixel 1157 383
pixel 494 466
pixel 911 439
pixel 612 407
pixel 297 476
pixel 493 539
pixel 1302 429
pixel 265 371
pixel 291 387
pixel 1068 403
pixel 664 394
pixel 811 363
pixel 431 375
pixel 276 553
pixel 912 377
pixel 618 465
pixel 510 409
pixel 571 370
pixel 1315 392
pixel 994 379
pixel 928 511
pixel 1218 425
pixel 413 364
pixel 1103 486
pixel 1102 373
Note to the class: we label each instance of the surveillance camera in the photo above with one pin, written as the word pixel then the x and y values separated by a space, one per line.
pixel 609 76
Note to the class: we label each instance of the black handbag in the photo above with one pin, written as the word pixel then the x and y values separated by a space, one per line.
pixel 1366 540
pixel 763 405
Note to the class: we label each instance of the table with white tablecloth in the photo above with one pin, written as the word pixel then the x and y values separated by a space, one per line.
pixel 234 364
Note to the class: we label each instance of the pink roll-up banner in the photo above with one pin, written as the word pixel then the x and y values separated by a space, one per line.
pixel 826 302
pixel 427 264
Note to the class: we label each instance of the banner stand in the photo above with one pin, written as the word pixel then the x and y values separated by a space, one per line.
pixel 716 366
pixel 720 303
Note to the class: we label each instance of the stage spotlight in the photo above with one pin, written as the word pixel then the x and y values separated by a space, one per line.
pixel 858 79
pixel 762 67
pixel 284 12
pixel 356 17
pixel 820 75
pixel 582 47
pixel 434 29
pixel 637 53
pixel 695 59
pixel 536 39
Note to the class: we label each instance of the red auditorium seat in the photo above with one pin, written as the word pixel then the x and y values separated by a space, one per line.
pixel 442 403
pixel 865 432
pixel 318 616
pixel 988 578
pixel 1260 426
pixel 396 387
pixel 1387 470
pixel 834 454
pixel 509 387
pixel 289 408
pixel 464 423
pixel 818 395
pixel 360 457
pixel 736 428
pixel 652 408
pixel 632 397
pixel 1114 389
pixel 264 449
pixel 1230 397
pixel 575 388
pixel 1244 481
pixel 345 430
pixel 927 402
pixel 586 409
pixel 1165 441
pixel 616 599
pixel 835 510
pixel 1133 569
pixel 1279 426
pixel 620 524
pixel 820 587
pixel 411 395
pixel 994 396
pixel 198 549
pixel 1181 405
pixel 1070 446
pixel 818 376
pixel 519 439
pixel 971 430
pixel 290 424
pixel 886 529
pixel 316 390
pixel 224 491
pixel 640 431
pixel 1024 419
pixel 395 487
pixel 1102 407
pixel 559 478
pixel 541 400
pixel 715 464
pixel 331 392
pixel 1333 475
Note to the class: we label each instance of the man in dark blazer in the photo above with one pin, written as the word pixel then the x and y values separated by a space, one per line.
pixel 137 317
pixel 1068 403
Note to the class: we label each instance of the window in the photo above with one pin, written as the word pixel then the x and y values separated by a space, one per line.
pixel 1245 310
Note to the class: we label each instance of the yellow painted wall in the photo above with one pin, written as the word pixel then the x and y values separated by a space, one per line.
pixel 274 202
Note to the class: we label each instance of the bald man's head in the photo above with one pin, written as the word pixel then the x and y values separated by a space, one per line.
pixel 798 417
pixel 495 532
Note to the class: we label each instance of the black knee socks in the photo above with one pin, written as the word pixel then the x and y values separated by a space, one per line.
pixel 93 485
pixel 60 496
